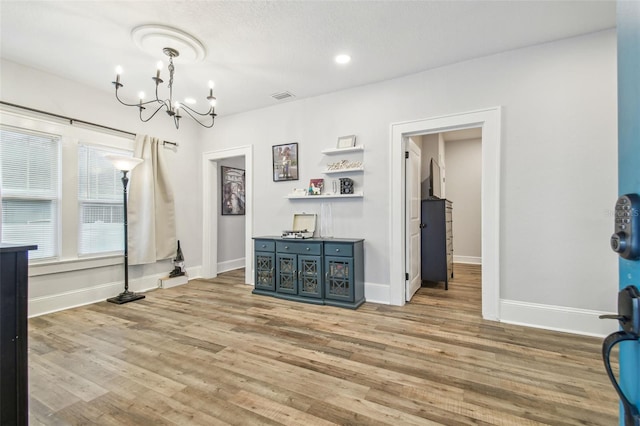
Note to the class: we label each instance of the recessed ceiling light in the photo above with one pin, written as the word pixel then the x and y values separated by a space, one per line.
pixel 343 59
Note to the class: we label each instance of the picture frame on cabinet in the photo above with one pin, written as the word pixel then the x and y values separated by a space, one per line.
pixel 285 162
pixel 233 200
pixel 346 141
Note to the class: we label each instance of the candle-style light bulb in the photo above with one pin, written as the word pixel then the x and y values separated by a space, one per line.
pixel 118 72
pixel 141 96
pixel 177 105
pixel 158 68
pixel 212 102
pixel 210 88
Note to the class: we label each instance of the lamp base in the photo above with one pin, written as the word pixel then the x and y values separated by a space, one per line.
pixel 124 297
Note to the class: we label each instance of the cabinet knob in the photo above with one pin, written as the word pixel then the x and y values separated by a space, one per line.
pixel 264 246
pixel 337 250
pixel 308 248
pixel 286 247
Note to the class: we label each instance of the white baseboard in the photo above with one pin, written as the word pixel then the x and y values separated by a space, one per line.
pixel 467 259
pixel 377 293
pixel 230 265
pixel 58 302
pixel 557 318
pixel 194 272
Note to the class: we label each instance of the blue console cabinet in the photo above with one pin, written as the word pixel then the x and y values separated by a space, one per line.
pixel 313 270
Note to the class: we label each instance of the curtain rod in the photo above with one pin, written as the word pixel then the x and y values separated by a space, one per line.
pixel 74 120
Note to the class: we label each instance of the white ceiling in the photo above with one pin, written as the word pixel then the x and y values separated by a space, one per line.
pixel 257 48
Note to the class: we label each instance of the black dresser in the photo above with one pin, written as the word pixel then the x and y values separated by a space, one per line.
pixel 437 241
pixel 14 390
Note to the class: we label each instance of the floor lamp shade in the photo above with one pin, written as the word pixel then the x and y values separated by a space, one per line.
pixel 125 165
pixel 122 163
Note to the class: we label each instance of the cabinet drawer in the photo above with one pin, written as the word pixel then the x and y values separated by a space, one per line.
pixel 299 247
pixel 334 249
pixel 264 245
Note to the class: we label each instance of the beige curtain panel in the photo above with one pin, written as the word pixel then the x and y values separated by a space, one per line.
pixel 151 209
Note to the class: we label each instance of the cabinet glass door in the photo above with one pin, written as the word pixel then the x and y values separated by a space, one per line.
pixel 286 274
pixel 265 271
pixel 310 276
pixel 339 278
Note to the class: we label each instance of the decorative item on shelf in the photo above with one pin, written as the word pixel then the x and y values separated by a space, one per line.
pixel 346 141
pixel 178 264
pixel 285 162
pixel 232 191
pixel 326 221
pixel 299 192
pixel 344 165
pixel 346 186
pixel 125 165
pixel 143 36
pixel 316 186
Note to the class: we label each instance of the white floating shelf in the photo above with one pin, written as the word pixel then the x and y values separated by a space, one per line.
pixel 354 169
pixel 324 196
pixel 333 151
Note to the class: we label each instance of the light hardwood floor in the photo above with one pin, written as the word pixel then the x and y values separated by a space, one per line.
pixel 210 353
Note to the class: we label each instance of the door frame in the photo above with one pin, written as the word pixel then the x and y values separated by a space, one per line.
pixel 210 195
pixel 490 121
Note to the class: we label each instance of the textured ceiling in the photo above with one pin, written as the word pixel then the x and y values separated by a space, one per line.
pixel 257 48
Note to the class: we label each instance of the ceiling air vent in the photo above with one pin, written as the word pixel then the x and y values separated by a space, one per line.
pixel 281 96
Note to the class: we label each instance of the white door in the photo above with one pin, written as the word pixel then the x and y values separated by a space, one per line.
pixel 412 208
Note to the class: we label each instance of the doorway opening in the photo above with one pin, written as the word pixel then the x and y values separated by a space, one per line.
pixel 211 194
pixel 445 166
pixel 489 121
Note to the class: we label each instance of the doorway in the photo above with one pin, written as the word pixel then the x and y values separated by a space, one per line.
pixel 210 196
pixel 489 120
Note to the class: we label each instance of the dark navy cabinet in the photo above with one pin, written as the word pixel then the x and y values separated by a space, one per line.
pixel 314 270
pixel 14 392
pixel 437 241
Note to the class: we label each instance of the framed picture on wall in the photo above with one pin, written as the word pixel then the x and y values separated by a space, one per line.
pixel 346 142
pixel 232 191
pixel 285 162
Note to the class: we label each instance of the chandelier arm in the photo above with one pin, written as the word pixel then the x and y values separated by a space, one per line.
pixel 120 100
pixel 162 104
pixel 208 126
pixel 188 109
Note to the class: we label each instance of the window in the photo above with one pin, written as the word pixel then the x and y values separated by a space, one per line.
pixel 30 189
pixel 100 193
pixel 58 191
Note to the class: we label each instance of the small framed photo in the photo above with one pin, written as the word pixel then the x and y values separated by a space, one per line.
pixel 232 191
pixel 285 162
pixel 316 186
pixel 346 141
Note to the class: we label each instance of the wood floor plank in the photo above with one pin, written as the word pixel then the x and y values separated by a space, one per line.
pixel 212 353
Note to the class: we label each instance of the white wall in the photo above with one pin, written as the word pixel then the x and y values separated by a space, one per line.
pixel 464 178
pixel 231 228
pixel 558 171
pixel 39 90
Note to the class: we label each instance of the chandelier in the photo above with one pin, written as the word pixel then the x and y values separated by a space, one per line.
pixel 173 109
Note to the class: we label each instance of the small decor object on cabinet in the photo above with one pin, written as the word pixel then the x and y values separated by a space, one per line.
pixel 346 186
pixel 285 162
pixel 316 186
pixel 232 191
pixel 346 141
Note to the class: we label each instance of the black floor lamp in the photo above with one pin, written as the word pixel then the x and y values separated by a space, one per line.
pixel 125 165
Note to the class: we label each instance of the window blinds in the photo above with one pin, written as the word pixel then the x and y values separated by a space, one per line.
pixel 30 189
pixel 101 227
